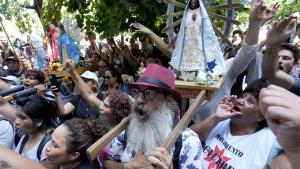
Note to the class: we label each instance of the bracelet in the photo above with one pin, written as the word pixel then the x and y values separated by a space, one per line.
pixel 125 165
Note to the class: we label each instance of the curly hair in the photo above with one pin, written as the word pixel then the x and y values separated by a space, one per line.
pixel 37 74
pixel 120 105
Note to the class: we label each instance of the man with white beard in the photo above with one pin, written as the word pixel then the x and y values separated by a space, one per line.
pixel 152 119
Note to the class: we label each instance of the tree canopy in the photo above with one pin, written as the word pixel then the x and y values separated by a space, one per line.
pixel 108 17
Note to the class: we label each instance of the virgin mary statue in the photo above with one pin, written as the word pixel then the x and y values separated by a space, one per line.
pixel 197 55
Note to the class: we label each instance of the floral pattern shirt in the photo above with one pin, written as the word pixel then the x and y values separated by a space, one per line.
pixel 189 156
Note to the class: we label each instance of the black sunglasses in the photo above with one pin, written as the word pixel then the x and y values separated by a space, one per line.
pixel 107 77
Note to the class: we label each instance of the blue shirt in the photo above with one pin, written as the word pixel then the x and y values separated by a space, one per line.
pixel 296 86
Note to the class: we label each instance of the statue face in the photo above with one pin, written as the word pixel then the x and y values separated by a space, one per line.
pixel 194 4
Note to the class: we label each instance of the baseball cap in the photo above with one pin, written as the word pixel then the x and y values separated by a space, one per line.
pixel 11 58
pixel 90 75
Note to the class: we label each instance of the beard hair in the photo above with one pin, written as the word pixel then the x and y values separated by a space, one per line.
pixel 145 135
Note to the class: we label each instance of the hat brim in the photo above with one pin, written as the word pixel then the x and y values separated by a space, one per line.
pixel 175 94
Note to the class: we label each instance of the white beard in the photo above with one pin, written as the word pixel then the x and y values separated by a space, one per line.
pixel 144 136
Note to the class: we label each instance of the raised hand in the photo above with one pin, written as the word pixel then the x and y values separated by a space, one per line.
pixel 54 90
pixel 141 28
pixel 69 65
pixel 281 110
pixel 224 111
pixel 229 100
pixel 260 12
pixel 280 31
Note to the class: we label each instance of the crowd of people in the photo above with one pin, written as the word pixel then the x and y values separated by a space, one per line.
pixel 50 123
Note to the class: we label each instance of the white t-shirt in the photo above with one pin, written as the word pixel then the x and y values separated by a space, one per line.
pixel 7 137
pixel 32 154
pixel 253 151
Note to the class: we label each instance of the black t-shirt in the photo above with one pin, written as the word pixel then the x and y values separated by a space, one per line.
pixel 84 165
pixel 82 109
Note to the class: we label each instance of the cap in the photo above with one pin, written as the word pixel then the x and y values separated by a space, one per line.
pixel 90 75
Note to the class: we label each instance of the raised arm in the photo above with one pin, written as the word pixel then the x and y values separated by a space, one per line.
pixel 223 112
pixel 279 32
pixel 281 110
pixel 162 46
pixel 259 15
pixel 84 90
pixel 63 109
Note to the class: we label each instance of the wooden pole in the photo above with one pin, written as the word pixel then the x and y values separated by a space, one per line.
pixel 184 122
pixel 95 148
pixel 7 37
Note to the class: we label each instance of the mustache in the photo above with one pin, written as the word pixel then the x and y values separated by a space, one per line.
pixel 140 108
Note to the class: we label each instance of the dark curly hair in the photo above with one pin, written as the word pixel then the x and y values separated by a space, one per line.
pixel 82 133
pixel 37 74
pixel 120 105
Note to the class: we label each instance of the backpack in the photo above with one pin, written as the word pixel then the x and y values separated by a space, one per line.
pixel 42 144
pixel 2 118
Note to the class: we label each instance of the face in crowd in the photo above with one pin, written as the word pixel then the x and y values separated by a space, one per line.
pixel 110 80
pixel 248 106
pixel 24 124
pixel 33 77
pixel 116 106
pixel 147 100
pixel 285 60
pixel 102 67
pixel 70 140
pixel 3 41
pixel 236 39
pixel 194 4
pixel 91 83
pixel 13 65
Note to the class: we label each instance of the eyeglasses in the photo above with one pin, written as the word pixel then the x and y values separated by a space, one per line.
pixel 107 77
pixel 148 94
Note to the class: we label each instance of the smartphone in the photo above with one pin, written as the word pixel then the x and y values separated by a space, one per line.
pixel 53 80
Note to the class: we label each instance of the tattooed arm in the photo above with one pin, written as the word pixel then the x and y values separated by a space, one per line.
pixel 11 160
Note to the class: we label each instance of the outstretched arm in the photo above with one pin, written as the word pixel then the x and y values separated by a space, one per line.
pixel 162 46
pixel 10 159
pixel 84 90
pixel 279 32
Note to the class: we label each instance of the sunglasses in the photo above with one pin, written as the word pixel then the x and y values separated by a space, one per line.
pixel 107 77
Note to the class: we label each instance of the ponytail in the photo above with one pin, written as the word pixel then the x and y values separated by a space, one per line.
pixel 82 133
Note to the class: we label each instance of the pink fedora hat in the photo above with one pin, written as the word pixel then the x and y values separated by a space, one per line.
pixel 156 76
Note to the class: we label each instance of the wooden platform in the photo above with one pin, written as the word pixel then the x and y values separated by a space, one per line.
pixel 190 90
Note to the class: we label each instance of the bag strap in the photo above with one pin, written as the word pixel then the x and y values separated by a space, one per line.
pixel 23 142
pixel 42 144
pixel 4 119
